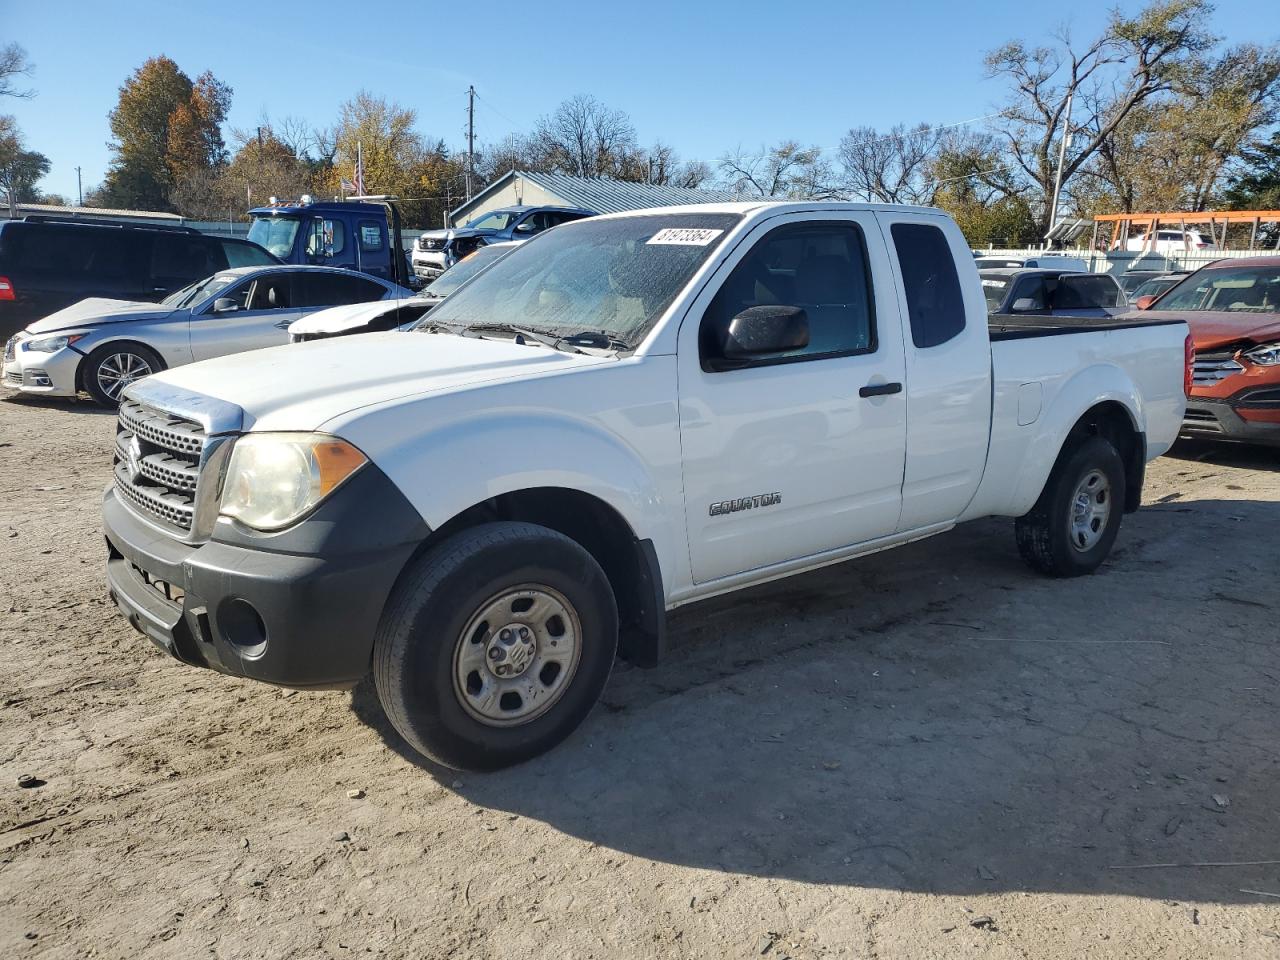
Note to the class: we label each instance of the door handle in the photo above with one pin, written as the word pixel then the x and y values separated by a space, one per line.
pixel 880 389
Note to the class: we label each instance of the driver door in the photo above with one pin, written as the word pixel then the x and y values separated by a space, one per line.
pixel 259 316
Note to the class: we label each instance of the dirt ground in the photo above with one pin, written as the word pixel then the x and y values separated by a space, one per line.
pixel 927 753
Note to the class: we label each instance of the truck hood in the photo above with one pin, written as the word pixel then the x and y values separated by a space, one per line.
pixel 301 386
pixel 1212 329
pixel 351 316
pixel 96 310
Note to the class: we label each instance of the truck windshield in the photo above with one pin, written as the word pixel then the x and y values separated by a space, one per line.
pixel 275 233
pixel 606 275
pixel 1231 289
pixel 993 289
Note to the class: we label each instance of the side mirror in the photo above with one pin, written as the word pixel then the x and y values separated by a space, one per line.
pixel 1145 301
pixel 526 227
pixel 759 331
pixel 225 305
pixel 1025 305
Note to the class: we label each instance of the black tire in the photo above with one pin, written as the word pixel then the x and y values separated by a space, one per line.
pixel 120 356
pixel 1045 535
pixel 421 633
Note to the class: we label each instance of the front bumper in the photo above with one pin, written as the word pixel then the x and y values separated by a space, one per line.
pixel 1241 418
pixel 297 608
pixel 43 374
pixel 428 264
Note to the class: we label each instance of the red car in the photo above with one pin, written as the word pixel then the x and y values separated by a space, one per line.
pixel 1233 310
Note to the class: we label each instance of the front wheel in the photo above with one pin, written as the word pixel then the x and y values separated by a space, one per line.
pixel 1071 529
pixel 111 368
pixel 495 645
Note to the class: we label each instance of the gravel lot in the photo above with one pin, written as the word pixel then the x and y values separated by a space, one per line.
pixel 927 753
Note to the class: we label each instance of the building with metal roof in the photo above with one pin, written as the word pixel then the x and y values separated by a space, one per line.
pixel 601 194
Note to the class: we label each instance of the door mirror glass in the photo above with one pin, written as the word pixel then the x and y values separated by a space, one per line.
pixel 1025 305
pixel 225 305
pixel 760 331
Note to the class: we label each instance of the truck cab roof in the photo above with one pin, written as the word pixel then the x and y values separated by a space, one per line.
pixel 292 209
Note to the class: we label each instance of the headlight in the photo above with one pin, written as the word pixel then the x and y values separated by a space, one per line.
pixel 1267 355
pixel 50 344
pixel 275 478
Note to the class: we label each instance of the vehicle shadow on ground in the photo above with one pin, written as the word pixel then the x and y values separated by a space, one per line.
pixel 80 406
pixel 1247 455
pixel 938 718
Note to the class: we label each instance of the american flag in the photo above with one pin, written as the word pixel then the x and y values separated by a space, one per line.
pixel 359 174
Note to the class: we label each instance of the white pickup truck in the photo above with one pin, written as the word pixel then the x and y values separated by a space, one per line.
pixel 626 414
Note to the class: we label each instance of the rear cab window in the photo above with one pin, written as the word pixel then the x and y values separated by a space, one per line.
pixel 935 302
pixel 1087 292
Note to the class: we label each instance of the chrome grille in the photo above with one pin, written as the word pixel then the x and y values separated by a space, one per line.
pixel 13 378
pixel 157 463
pixel 1210 368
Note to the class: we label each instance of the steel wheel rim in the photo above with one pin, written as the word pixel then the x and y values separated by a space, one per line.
pixel 1090 511
pixel 119 370
pixel 503 677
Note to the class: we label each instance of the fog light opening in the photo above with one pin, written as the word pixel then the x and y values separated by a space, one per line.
pixel 241 625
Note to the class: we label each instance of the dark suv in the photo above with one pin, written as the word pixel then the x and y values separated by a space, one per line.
pixel 47 263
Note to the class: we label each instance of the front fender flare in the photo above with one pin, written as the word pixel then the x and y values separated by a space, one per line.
pixel 446 470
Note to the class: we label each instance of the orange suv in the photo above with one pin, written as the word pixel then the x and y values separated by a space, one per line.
pixel 1233 310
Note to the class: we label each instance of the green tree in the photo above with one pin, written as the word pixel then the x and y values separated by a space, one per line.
pixel 20 169
pixel 1255 184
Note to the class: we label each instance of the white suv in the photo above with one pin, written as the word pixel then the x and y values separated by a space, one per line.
pixel 1171 241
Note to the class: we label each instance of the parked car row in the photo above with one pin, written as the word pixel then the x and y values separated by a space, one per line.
pixel 47 263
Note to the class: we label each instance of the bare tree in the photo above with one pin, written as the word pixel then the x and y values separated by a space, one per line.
pixel 785 170
pixel 13 64
pixel 890 167
pixel 1134 59
pixel 585 138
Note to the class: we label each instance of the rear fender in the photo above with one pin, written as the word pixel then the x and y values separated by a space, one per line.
pixel 1100 383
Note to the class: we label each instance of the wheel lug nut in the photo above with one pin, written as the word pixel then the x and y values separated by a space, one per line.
pixel 524 633
pixel 505 635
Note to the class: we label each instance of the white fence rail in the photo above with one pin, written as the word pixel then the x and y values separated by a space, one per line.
pixel 1122 261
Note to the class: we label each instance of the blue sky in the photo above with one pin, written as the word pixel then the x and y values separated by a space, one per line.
pixel 703 77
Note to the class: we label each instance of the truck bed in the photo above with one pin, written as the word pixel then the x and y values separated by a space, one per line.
pixel 1005 326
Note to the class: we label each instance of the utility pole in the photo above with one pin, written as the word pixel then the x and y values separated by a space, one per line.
pixel 79 187
pixel 1062 159
pixel 471 137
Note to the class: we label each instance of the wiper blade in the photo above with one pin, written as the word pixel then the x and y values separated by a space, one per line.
pixel 438 326
pixel 598 339
pixel 547 340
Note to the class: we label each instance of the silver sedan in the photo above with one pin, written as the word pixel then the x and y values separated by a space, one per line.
pixel 102 346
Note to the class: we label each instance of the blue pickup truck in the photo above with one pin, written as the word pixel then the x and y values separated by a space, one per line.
pixel 361 235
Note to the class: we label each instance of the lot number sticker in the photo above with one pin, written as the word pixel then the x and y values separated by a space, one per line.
pixel 684 236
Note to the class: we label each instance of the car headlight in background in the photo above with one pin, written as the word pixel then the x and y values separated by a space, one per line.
pixel 273 479
pixel 1267 355
pixel 51 344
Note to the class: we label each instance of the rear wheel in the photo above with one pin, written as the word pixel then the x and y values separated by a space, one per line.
pixel 495 645
pixel 111 368
pixel 1073 525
